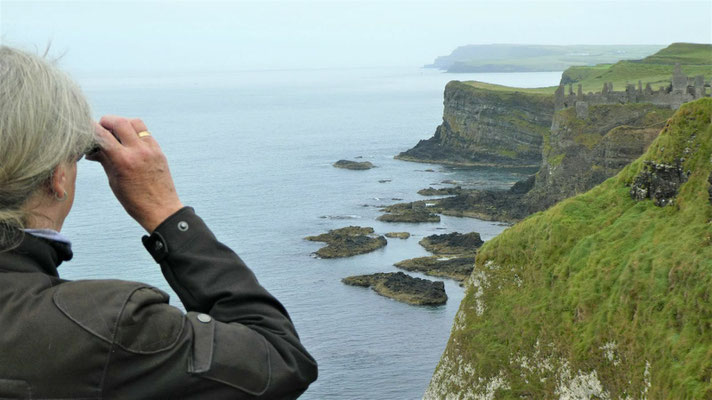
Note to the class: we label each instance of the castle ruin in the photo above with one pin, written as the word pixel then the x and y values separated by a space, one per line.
pixel 681 90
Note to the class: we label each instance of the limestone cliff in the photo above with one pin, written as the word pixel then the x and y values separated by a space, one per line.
pixel 605 295
pixel 487 126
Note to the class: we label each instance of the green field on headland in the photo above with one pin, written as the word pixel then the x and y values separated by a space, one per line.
pixel 695 59
pixel 501 88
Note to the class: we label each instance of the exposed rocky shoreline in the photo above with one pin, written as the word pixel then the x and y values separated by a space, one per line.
pixel 402 287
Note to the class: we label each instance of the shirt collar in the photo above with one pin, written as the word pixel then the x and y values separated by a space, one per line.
pixel 36 254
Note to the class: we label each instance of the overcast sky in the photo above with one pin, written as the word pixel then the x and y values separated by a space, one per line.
pixel 244 35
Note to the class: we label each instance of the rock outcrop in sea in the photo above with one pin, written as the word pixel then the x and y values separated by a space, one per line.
pixel 457 268
pixel 348 241
pixel 398 235
pixel 452 243
pixel 354 165
pixel 605 295
pixel 402 287
pixel 408 212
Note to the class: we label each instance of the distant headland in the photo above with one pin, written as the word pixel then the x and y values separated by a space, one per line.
pixel 535 58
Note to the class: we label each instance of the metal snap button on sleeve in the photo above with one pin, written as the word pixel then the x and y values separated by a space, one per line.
pixel 204 318
pixel 183 226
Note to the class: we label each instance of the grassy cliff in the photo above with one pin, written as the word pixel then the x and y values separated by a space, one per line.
pixel 601 296
pixel 695 59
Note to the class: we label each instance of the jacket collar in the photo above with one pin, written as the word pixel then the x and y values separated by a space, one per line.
pixel 35 254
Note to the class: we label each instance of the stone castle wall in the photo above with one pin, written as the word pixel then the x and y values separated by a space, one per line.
pixel 681 90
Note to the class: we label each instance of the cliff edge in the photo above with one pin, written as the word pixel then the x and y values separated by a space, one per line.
pixel 488 125
pixel 605 295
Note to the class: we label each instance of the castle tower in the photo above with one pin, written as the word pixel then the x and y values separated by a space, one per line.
pixel 699 86
pixel 679 80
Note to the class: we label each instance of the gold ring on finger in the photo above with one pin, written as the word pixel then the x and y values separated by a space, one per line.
pixel 144 134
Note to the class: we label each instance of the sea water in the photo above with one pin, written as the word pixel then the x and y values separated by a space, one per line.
pixel 252 151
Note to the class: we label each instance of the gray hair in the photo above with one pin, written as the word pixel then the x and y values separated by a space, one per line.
pixel 44 121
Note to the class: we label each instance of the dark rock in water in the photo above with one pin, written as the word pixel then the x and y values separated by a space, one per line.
pixel 402 287
pixel 429 170
pixel 348 241
pixel 452 243
pixel 398 235
pixel 384 180
pixel 411 216
pixel 458 268
pixel 659 182
pixel 409 212
pixel 431 191
pixel 355 165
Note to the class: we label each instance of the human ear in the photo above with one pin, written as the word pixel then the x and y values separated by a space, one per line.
pixel 58 182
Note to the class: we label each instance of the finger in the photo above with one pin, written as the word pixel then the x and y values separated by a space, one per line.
pixel 138 124
pixel 108 144
pixel 121 128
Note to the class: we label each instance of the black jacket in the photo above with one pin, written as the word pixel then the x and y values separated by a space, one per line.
pixel 111 339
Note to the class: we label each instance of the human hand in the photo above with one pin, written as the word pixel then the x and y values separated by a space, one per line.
pixel 137 170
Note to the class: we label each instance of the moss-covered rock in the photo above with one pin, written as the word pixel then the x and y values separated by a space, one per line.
pixel 402 287
pixel 348 241
pixel 601 296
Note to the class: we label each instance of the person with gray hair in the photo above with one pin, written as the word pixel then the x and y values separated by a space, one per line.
pixel 107 339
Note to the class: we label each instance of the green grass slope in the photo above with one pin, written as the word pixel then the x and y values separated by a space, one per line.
pixel 695 59
pixel 600 296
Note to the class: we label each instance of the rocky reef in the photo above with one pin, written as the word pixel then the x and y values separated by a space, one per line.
pixel 448 191
pixel 354 165
pixel 408 212
pixel 452 243
pixel 398 235
pixel 481 126
pixel 457 268
pixel 402 287
pixel 348 241
pixel 601 296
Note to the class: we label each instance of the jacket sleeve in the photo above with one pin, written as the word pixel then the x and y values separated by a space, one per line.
pixel 236 340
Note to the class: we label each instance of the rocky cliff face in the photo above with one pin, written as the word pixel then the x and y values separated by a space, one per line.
pixel 579 153
pixel 605 295
pixel 487 127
